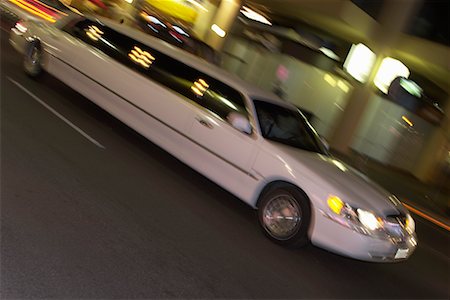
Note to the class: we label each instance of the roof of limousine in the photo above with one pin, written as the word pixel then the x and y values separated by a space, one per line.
pixel 193 61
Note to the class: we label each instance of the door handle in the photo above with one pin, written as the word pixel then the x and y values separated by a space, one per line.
pixel 204 122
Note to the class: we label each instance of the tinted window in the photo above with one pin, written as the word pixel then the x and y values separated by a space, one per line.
pixel 287 126
pixel 195 85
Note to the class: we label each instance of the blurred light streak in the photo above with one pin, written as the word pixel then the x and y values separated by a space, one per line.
pixel 253 15
pixel 33 10
pixel 343 86
pixel 359 62
pixel 427 217
pixel 219 31
pixel 197 4
pixel 404 118
pixel 390 69
pixel 328 78
pixel 330 53
pixel 51 7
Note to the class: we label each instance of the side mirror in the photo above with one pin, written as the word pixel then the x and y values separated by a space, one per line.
pixel 240 122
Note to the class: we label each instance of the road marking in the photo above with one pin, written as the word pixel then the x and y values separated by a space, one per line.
pixel 87 136
pixel 425 216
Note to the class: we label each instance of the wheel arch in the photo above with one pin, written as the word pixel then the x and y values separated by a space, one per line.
pixel 277 182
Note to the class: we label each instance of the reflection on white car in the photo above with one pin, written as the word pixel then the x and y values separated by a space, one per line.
pixel 256 146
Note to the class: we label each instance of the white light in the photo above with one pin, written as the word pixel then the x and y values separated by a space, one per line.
pixel 343 86
pixel 179 30
pixel 411 87
pixel 390 69
pixel 253 15
pixel 359 62
pixel 219 31
pixel 329 53
pixel 20 27
pixel 156 21
pixel 197 4
pixel 410 224
pixel 368 219
pixel 129 1
pixel 328 78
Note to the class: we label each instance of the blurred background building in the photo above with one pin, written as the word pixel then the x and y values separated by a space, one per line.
pixel 334 59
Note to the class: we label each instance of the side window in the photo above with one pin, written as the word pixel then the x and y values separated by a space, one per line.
pixel 206 91
pixel 218 97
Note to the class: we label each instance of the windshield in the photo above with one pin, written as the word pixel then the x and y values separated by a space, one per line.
pixel 287 126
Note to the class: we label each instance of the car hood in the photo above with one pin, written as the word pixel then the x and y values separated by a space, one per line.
pixel 344 181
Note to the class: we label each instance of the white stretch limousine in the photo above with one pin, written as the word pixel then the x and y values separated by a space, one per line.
pixel 256 146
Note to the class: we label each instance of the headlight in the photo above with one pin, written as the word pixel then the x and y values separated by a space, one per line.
pixel 357 219
pixel 369 220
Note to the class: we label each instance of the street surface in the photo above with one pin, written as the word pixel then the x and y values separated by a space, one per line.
pixel 90 209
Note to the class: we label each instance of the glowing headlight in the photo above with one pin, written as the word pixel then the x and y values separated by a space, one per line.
pixel 369 220
pixel 359 220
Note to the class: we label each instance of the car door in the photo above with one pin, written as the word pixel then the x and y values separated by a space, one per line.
pixel 228 153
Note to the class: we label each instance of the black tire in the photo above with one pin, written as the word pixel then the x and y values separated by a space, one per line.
pixel 32 61
pixel 284 213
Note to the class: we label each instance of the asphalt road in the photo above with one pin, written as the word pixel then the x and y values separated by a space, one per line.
pixel 130 221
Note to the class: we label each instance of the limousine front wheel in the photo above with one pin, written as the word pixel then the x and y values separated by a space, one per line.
pixel 284 214
pixel 33 59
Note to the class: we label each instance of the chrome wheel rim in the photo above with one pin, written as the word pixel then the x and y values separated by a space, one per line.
pixel 282 216
pixel 34 56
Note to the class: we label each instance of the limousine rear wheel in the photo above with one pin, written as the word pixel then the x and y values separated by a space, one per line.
pixel 284 214
pixel 32 62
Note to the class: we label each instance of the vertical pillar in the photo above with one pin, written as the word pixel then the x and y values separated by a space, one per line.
pixel 394 18
pixel 225 16
pixel 203 23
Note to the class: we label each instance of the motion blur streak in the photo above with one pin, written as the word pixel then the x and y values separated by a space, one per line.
pixel 425 216
pixel 40 9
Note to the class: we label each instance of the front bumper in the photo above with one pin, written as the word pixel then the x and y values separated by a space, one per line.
pixel 334 237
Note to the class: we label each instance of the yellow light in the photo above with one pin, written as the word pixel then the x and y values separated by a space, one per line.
pixel 97 30
pixel 199 86
pixel 149 55
pixel 343 86
pixel 203 83
pixel 335 204
pixel 53 8
pixel 132 56
pixel 390 69
pixel 404 118
pixel 219 31
pixel 329 79
pixel 34 10
pixel 196 90
pixel 359 62
pixel 91 36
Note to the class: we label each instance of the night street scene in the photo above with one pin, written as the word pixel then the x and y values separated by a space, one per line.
pixel 224 149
